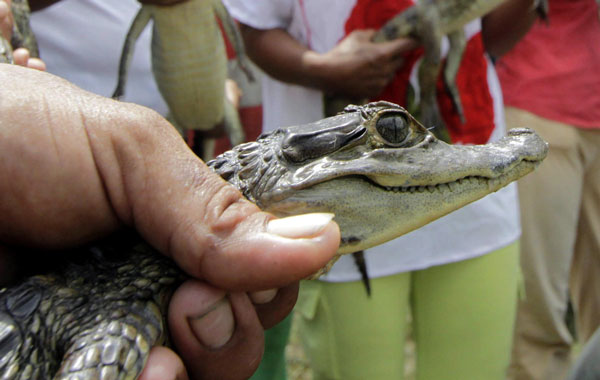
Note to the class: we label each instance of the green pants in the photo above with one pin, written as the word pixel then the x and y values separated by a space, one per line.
pixel 272 366
pixel 462 321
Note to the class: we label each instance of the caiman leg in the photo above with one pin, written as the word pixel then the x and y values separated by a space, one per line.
pixel 431 37
pixel 142 18
pixel 458 42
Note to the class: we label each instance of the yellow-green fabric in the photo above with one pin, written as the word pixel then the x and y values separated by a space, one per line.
pixel 272 366
pixel 462 321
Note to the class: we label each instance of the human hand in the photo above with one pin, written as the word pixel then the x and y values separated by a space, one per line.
pixel 359 67
pixel 82 166
pixel 20 56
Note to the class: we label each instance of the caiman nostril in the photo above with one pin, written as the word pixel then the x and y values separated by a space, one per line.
pixel 521 131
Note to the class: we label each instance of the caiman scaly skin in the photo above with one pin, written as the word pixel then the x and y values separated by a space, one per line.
pixel 375 167
pixel 95 317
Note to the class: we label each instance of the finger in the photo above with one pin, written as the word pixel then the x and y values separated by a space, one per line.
pixel 396 47
pixel 163 364
pixel 251 255
pixel 219 336
pixel 21 56
pixel 363 35
pixel 36 64
pixel 5 19
pixel 275 310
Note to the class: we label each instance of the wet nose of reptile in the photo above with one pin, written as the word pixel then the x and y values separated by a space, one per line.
pixel 537 147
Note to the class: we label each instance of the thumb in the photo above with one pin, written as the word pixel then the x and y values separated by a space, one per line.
pixel 397 47
pixel 258 252
pixel 206 225
pixel 226 240
pixel 361 35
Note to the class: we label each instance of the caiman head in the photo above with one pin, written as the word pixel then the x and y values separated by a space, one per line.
pixel 376 168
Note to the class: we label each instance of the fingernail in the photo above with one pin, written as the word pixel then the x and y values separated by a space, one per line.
pixel 263 296
pixel 300 226
pixel 215 327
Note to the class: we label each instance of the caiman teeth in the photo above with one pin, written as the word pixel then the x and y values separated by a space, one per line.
pixel 447 186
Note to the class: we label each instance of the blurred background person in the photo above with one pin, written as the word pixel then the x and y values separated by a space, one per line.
pixel 551 83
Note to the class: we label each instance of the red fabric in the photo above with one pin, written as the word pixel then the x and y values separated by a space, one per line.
pixel 471 78
pixel 554 71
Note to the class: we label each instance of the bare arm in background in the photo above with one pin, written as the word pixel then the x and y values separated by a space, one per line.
pixel 355 67
pixel 506 25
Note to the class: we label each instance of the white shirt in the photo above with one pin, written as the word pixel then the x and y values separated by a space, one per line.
pixel 479 228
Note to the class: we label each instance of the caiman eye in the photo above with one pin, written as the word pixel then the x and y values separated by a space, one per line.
pixel 392 128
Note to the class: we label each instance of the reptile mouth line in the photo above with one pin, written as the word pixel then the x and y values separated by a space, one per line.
pixel 450 186
pixel 454 185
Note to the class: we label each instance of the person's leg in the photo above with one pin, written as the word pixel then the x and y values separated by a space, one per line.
pixel 587 366
pixel 347 335
pixel 272 366
pixel 463 316
pixel 549 198
pixel 585 271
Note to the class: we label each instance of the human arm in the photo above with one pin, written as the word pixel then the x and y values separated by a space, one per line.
pixel 506 25
pixel 81 166
pixel 355 67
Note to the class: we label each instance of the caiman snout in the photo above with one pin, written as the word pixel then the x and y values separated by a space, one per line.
pixel 536 148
